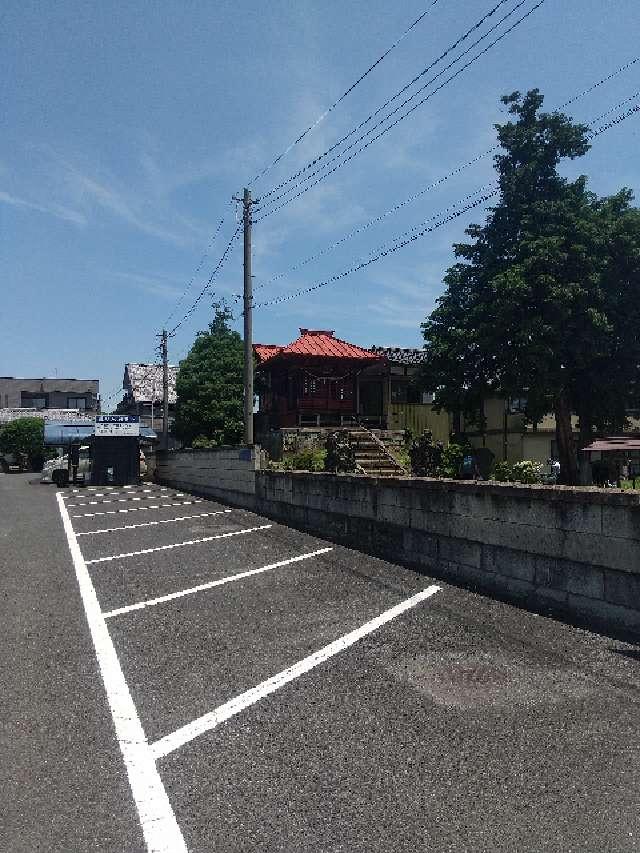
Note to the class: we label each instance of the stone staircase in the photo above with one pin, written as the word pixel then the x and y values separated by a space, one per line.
pixel 372 458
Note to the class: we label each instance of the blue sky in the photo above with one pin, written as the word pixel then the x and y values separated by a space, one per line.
pixel 128 126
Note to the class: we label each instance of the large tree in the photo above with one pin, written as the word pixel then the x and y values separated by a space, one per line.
pixel 210 385
pixel 543 302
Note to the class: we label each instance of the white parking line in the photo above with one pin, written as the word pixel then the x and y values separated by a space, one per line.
pixel 135 509
pixel 119 500
pixel 178 544
pixel 151 602
pixel 112 493
pixel 209 721
pixel 157 819
pixel 150 523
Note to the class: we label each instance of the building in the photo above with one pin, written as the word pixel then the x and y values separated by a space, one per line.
pixel 404 405
pixel 322 381
pixel 42 396
pixel 508 435
pixel 142 384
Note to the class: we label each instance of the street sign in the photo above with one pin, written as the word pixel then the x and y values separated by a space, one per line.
pixel 117 425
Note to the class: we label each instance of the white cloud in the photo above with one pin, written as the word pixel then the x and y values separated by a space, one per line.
pixel 57 210
pixel 81 192
pixel 128 206
pixel 154 285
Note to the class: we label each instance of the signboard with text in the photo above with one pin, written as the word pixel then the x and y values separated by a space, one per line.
pixel 117 425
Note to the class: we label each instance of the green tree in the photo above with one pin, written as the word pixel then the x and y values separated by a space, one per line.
pixel 210 387
pixel 24 438
pixel 542 302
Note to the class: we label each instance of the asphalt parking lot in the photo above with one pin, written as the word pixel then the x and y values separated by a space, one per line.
pixel 183 675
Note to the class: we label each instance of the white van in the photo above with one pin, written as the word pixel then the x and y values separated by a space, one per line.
pixel 57 470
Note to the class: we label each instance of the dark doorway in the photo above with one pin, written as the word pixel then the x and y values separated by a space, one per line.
pixel 371 399
pixel 115 461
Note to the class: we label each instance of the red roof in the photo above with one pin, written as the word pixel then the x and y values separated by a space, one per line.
pixel 265 351
pixel 317 344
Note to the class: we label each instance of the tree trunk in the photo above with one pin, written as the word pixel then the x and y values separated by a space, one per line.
pixel 586 429
pixel 564 438
pixel 457 423
pixel 586 437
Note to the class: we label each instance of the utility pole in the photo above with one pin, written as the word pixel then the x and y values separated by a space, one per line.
pixel 165 390
pixel 248 324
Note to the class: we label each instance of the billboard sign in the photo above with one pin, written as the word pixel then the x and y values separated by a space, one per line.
pixel 117 425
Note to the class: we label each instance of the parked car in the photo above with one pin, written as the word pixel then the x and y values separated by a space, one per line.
pixel 57 470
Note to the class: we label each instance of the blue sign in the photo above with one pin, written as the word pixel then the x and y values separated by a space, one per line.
pixel 117 419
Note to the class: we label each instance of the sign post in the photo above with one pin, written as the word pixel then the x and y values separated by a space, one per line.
pixel 116 450
pixel 111 426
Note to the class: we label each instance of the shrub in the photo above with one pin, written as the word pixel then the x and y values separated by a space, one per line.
pixel 502 472
pixel 201 442
pixel 308 459
pixel 451 461
pixel 426 456
pixel 401 455
pixel 526 471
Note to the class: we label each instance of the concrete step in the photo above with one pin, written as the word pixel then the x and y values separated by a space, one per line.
pixel 377 466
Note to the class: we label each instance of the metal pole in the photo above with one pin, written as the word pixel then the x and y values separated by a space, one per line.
pixel 165 391
pixel 248 325
pixel 153 395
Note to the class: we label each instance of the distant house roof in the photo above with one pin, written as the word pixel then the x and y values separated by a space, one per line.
pixel 74 416
pixel 315 343
pixel 143 382
pixel 401 355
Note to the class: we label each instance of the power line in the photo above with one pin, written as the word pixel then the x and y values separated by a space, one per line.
pixel 491 186
pixel 197 270
pixel 150 368
pixel 387 103
pixel 330 109
pixel 378 218
pixel 403 241
pixel 613 109
pixel 285 297
pixel 118 389
pixel 396 207
pixel 412 109
pixel 600 82
pixel 406 201
pixel 206 287
pixel 615 121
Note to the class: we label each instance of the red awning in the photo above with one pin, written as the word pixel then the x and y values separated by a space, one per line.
pixel 613 443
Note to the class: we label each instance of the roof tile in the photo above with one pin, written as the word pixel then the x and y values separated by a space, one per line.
pixel 318 344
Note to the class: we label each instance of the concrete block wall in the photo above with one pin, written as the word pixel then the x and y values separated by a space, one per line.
pixel 571 552
pixel 226 473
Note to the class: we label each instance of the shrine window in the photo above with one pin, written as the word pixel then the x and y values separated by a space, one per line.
pixel 309 386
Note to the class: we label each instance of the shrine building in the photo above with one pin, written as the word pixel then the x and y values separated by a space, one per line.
pixel 322 381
